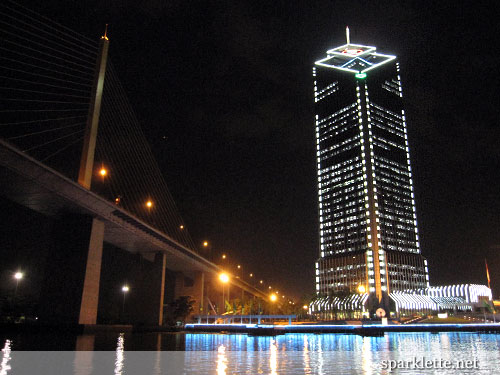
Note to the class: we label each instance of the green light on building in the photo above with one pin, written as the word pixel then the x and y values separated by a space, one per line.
pixel 360 75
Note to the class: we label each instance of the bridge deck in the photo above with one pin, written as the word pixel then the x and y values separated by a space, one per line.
pixel 33 185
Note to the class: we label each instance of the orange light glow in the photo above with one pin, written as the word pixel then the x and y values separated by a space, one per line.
pixel 223 277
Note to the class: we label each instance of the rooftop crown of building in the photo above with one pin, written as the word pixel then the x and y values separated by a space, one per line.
pixel 354 58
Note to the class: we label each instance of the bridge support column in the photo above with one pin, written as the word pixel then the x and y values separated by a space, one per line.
pixel 70 291
pixel 90 293
pixel 162 291
pixel 199 292
pixel 147 291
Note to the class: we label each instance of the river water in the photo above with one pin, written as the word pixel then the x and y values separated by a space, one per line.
pixel 196 353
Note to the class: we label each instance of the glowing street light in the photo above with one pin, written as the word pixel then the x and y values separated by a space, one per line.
pixel 103 172
pixel 239 267
pixel 251 275
pixel 223 256
pixel 149 204
pixel 125 290
pixel 361 289
pixel 205 243
pixel 261 281
pixel 273 297
pixel 305 307
pixel 224 279
pixel 181 227
pixel 18 276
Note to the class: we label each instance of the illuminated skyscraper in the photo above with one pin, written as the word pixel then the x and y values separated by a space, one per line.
pixel 368 226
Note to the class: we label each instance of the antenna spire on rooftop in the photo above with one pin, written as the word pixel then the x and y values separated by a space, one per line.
pixel 347 34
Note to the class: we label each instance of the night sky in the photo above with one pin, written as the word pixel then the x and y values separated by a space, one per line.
pixel 224 93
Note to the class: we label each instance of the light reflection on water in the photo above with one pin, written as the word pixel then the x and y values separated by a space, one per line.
pixel 119 355
pixel 221 360
pixel 5 367
pixel 273 360
pixel 287 354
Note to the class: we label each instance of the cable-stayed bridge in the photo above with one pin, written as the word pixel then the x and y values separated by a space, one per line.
pixel 60 94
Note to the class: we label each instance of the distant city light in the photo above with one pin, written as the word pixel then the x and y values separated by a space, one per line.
pixel 125 288
pixel 103 172
pixel 205 243
pixel 223 256
pixel 149 204
pixel 18 275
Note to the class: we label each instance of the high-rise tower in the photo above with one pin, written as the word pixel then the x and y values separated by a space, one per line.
pixel 368 226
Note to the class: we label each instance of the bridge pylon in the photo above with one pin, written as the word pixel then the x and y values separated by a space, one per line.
pixel 89 141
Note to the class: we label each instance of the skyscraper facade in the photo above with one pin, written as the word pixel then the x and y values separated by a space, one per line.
pixel 368 226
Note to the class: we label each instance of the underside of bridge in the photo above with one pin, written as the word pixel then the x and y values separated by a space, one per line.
pixel 89 249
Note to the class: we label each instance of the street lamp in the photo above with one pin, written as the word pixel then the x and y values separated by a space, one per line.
pixel 103 172
pixel 18 276
pixel 205 243
pixel 125 290
pixel 149 204
pixel 273 297
pixel 224 279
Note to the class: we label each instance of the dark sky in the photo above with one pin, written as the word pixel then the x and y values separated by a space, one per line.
pixel 223 90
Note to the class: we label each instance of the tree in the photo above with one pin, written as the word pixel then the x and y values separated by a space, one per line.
pixel 181 308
